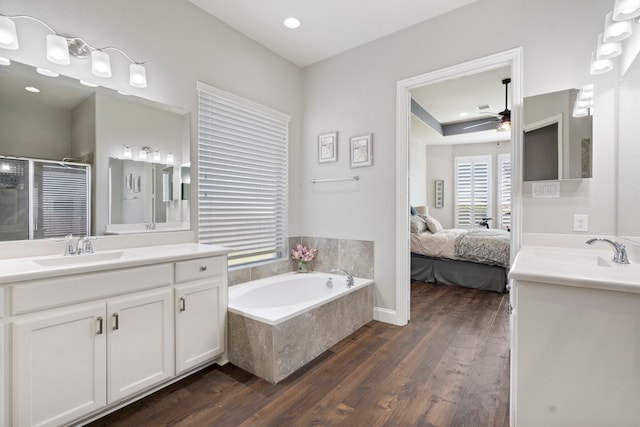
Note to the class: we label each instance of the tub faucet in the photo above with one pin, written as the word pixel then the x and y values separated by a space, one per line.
pixel 349 276
pixel 620 251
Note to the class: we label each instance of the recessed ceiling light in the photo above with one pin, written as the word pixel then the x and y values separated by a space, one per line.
pixel 46 72
pixel 292 22
pixel 32 89
pixel 4 61
pixel 124 93
pixel 464 114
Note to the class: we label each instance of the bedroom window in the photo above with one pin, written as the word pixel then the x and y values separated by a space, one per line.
pixel 504 191
pixel 242 176
pixel 472 190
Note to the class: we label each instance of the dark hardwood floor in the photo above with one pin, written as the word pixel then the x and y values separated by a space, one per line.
pixel 448 367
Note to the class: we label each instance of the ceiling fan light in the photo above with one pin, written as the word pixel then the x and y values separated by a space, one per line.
pixel 626 9
pixel 8 34
pixel 57 49
pixel 614 31
pixel 504 125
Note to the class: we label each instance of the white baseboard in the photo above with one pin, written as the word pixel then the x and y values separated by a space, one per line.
pixel 385 315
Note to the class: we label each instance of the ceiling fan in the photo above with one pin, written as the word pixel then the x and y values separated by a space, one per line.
pixel 504 116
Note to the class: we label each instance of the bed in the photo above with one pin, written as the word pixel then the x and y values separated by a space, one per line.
pixel 473 258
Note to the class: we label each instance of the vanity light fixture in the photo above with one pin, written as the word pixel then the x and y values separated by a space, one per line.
pixel 60 50
pixel 156 156
pixel 583 105
pixel 126 152
pixel 169 157
pixel 626 9
pixel 144 153
pixel 615 31
pixel 4 61
pixel 607 50
pixel 46 72
pixel 599 66
pixel 88 84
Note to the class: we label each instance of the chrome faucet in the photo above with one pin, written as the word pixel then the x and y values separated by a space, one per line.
pixel 350 281
pixel 83 246
pixel 620 251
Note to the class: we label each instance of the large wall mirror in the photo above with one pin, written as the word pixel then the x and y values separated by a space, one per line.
pixel 57 120
pixel 629 153
pixel 556 144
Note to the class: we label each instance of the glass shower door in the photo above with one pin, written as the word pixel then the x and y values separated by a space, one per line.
pixel 14 199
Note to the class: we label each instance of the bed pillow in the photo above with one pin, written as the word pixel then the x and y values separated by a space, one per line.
pixel 418 224
pixel 432 224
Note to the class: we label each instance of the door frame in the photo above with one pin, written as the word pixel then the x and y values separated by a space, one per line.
pixel 510 58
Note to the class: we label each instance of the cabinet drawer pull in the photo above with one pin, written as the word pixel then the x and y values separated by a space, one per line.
pixel 183 304
pixel 116 321
pixel 99 325
pixel 203 268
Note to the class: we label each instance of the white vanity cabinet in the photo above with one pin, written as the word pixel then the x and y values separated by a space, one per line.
pixel 83 342
pixel 59 365
pixel 575 358
pixel 201 300
pixel 72 361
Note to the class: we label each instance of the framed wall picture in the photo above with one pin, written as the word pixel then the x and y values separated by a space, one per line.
pixel 439 193
pixel 361 151
pixel 328 147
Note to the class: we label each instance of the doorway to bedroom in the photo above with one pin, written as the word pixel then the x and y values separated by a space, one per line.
pixel 461 174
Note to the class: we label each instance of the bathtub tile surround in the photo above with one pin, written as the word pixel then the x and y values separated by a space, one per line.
pixel 354 256
pixel 273 352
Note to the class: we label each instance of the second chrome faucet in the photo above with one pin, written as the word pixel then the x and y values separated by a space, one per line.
pixel 620 251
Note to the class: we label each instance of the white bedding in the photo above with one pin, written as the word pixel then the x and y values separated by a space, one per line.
pixel 485 246
pixel 440 244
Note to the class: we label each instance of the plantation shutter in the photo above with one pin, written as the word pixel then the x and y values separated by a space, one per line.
pixel 473 191
pixel 504 188
pixel 242 176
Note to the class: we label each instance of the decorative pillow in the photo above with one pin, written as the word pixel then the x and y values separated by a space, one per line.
pixel 418 225
pixel 432 224
pixel 413 210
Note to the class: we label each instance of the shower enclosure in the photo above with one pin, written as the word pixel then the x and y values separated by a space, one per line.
pixel 42 199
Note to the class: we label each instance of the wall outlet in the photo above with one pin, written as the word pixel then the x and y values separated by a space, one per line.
pixel 580 222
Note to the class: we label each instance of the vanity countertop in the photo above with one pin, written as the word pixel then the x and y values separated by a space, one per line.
pixel 584 268
pixel 29 268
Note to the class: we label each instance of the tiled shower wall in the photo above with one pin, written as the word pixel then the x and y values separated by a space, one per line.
pixel 353 256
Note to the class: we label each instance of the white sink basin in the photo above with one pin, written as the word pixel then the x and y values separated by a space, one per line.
pixel 571 259
pixel 78 259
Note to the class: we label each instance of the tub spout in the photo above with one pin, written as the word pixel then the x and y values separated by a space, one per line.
pixel 350 281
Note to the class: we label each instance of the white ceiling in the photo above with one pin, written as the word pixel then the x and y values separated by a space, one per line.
pixel 328 28
pixel 446 100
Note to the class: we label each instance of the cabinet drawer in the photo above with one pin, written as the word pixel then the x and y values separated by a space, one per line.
pixel 48 293
pixel 202 268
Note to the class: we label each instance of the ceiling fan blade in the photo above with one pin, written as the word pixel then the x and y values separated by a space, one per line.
pixel 479 124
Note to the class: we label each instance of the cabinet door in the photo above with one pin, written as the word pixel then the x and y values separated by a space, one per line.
pixel 59 367
pixel 200 322
pixel 140 342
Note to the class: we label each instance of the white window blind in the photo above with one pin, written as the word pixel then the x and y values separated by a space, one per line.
pixel 472 190
pixel 61 199
pixel 504 190
pixel 242 176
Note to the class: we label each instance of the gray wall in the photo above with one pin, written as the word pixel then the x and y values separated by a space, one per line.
pixel 355 92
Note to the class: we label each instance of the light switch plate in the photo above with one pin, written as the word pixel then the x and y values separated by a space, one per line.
pixel 580 222
pixel 545 189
